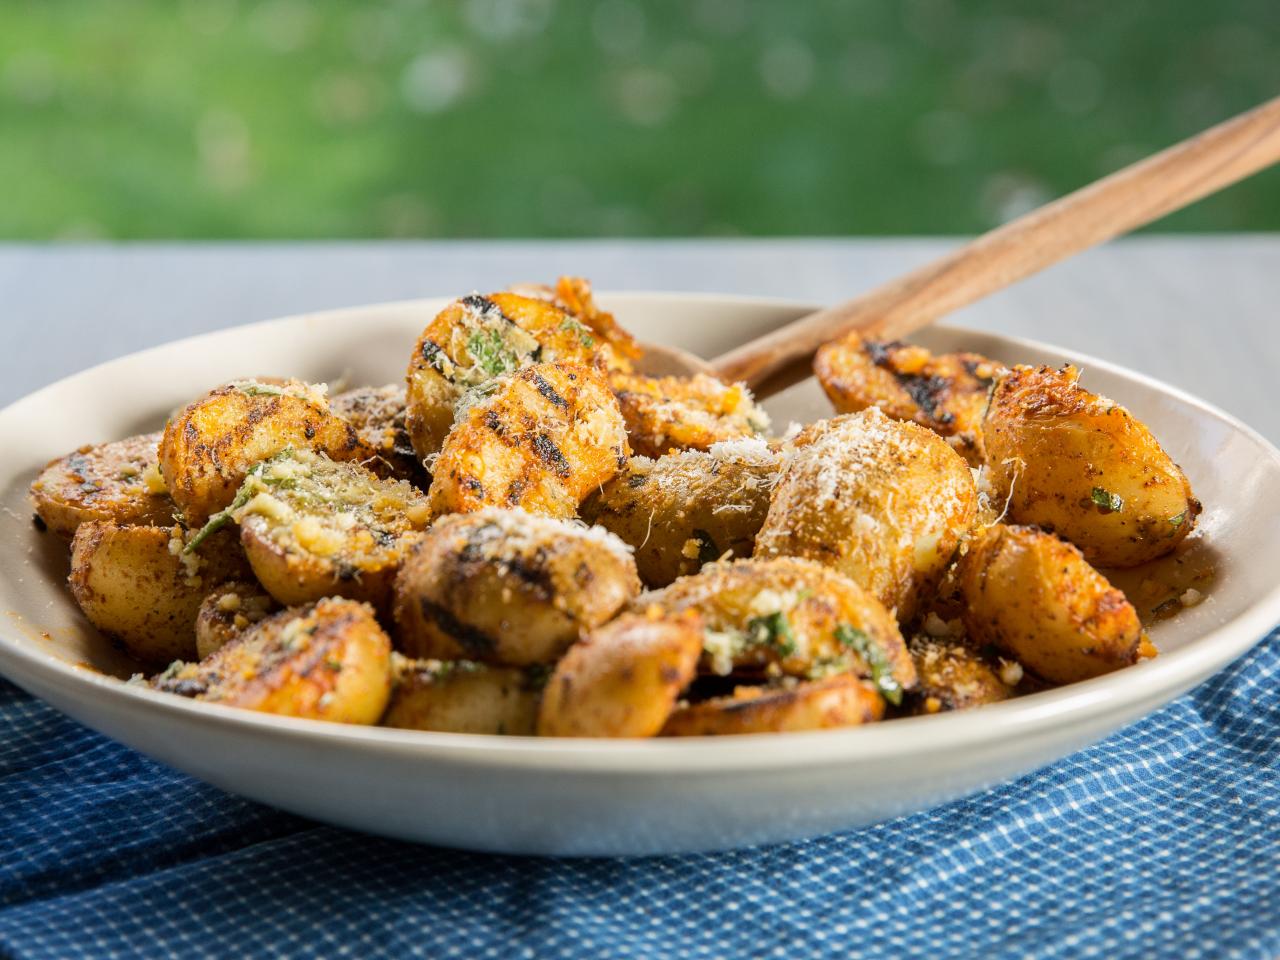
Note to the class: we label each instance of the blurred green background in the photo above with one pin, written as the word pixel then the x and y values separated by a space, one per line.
pixel 128 119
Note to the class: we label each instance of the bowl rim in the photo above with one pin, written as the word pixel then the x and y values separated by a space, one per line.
pixel 756 753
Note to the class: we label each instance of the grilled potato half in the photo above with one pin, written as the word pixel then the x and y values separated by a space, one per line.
pixel 541 439
pixel 945 392
pixel 837 701
pixel 954 675
pixel 1082 466
pixel 378 415
pixel 462 696
pixel 228 611
pixel 505 586
pixel 622 679
pixel 686 509
pixel 326 661
pixel 792 617
pixel 1037 599
pixel 208 447
pixel 475 339
pixel 119 482
pixel 884 502
pixel 684 413
pixel 135 584
pixel 314 527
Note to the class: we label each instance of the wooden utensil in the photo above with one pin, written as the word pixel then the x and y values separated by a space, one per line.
pixel 1123 201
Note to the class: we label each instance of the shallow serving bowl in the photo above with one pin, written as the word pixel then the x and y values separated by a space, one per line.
pixel 523 795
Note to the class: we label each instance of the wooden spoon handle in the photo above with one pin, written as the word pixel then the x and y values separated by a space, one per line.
pixel 1116 204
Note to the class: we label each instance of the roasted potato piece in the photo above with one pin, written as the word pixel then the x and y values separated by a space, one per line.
pixel 789 616
pixel 616 347
pixel 314 527
pixel 119 482
pixel 135 584
pixel 946 392
pixel 838 701
pixel 326 661
pixel 1036 598
pixel 544 439
pixel 505 586
pixel 884 502
pixel 209 446
pixel 1082 466
pixel 475 339
pixel 684 413
pixel 462 696
pixel 378 415
pixel 686 509
pixel 622 679
pixel 956 676
pixel 227 612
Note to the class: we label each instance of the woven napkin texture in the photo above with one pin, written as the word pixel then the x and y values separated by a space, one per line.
pixel 1162 841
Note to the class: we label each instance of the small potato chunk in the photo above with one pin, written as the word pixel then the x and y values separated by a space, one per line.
pixel 119 482
pixel 686 509
pixel 135 584
pixel 884 502
pixel 1079 465
pixel 622 679
pixel 544 439
pixel 789 616
pixel 462 696
pixel 378 414
pixel 314 527
pixel 684 413
pixel 473 340
pixel 946 393
pixel 326 661
pixel 955 676
pixel 506 586
pixel 838 701
pixel 227 612
pixel 1036 598
pixel 209 446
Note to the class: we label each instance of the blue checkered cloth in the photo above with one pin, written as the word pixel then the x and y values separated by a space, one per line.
pixel 1163 841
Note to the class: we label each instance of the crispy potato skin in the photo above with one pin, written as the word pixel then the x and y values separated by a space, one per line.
pixel 442 365
pixel 884 502
pixel 684 509
pixel 947 393
pixel 684 413
pixel 1055 449
pixel 378 414
pixel 816 600
pixel 622 679
pixel 327 661
pixel 209 446
pixel 1036 598
pixel 839 701
pixel 108 481
pixel 132 586
pixel 462 697
pixel 953 676
pixel 550 435
pixel 507 587
pixel 227 612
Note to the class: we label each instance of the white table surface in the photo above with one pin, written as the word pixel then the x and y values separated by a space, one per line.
pixel 1199 312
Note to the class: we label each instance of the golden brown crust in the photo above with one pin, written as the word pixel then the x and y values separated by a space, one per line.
pixel 460 696
pixel 117 481
pixel 378 414
pixel 1083 467
pixel 839 701
pixel 665 414
pixel 228 611
pixel 955 676
pixel 546 437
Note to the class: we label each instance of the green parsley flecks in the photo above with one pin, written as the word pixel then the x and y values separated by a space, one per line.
pixel 881 670
pixel 1106 501
pixel 772 630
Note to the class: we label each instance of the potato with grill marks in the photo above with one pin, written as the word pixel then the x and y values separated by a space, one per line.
pixel 208 447
pixel 505 586
pixel 462 696
pixel 1082 466
pixel 541 439
pixel 326 661
pixel 945 392
pixel 118 481
pixel 684 413
pixel 378 414
pixel 826 704
pixel 475 339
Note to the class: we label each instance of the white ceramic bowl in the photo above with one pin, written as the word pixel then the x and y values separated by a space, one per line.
pixel 520 795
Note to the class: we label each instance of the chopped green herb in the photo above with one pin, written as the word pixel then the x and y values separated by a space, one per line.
pixel 573 326
pixel 708 552
pixel 1178 520
pixel 252 388
pixel 1106 501
pixel 491 352
pixel 772 630
pixel 243 496
pixel 334 665
pixel 870 651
